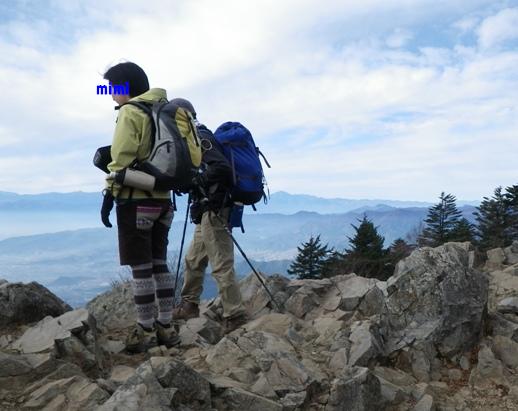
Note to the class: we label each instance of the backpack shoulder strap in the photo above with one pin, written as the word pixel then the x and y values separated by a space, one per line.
pixel 146 108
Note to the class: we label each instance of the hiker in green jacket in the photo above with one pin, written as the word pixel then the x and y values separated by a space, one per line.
pixel 143 218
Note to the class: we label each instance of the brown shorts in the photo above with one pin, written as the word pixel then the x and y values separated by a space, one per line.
pixel 143 227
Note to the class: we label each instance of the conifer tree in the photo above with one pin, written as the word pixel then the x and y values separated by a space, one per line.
pixel 511 198
pixel 463 231
pixel 310 260
pixel 400 249
pixel 441 220
pixel 494 221
pixel 366 257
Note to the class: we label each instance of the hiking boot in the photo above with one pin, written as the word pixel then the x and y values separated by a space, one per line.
pixel 141 339
pixel 185 311
pixel 166 335
pixel 233 323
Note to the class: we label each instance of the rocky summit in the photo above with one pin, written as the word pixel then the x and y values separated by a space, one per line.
pixel 440 334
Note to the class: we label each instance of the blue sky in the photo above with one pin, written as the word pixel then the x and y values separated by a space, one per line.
pixel 354 99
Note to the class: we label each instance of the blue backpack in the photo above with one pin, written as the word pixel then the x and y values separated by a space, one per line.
pixel 239 148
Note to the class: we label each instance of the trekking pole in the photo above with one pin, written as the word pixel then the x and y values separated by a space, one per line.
pixel 229 232
pixel 181 249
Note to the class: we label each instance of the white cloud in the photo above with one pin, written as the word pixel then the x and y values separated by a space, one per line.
pixel 337 115
pixel 499 28
pixel 399 38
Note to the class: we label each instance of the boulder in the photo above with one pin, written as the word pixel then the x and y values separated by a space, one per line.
pixel 396 386
pixel 357 389
pixel 74 394
pixel 161 384
pixel 489 370
pixel 193 389
pixel 435 300
pixel 373 301
pixel 366 343
pixel 211 331
pixel 302 302
pixel 511 253
pixel 238 399
pixel 115 309
pixel 43 335
pixel 506 350
pixel 502 285
pixel 495 259
pixel 500 324
pixel 28 303
pixel 425 404
pixel 256 299
pixel 508 305
pixel 352 289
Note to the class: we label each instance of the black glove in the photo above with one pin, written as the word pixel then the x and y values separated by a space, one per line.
pixel 162 183
pixel 106 208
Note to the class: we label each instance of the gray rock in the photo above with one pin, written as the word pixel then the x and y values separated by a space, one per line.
pixel 279 324
pixel 372 303
pixel 225 355
pixel 352 289
pixel 338 362
pixel 500 325
pixel 256 299
pixel 73 350
pixel 396 386
pixel 293 401
pixel 357 389
pixel 278 361
pixel 506 350
pixel 28 303
pixel 160 384
pixel 425 404
pixel 121 373
pixel 193 389
pixel 77 393
pixel 42 336
pixel 237 399
pixel 489 369
pixel 511 253
pixel 210 330
pixel 435 299
pixel 365 343
pixel 318 286
pixel 495 259
pixel 464 363
pixel 508 305
pixel 13 365
pixel 302 302
pixel 115 309
pixel 455 374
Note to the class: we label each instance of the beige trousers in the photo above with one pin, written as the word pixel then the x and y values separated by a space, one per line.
pixel 211 243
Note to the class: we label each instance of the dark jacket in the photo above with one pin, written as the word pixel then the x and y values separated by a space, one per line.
pixel 217 179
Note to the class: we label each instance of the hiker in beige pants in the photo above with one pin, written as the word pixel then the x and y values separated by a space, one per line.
pixel 211 243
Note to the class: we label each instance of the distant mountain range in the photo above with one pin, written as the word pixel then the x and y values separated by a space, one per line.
pixel 78 264
pixel 22 215
pixel 279 202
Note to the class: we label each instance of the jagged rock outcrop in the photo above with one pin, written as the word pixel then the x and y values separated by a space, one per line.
pixel 27 303
pixel 436 305
pixel 421 341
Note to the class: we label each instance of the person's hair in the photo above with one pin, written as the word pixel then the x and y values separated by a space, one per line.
pixel 130 73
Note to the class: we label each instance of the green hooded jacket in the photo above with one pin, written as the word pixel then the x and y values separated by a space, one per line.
pixel 132 140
